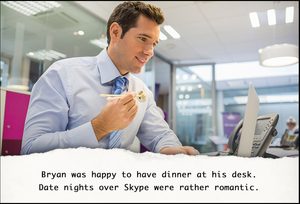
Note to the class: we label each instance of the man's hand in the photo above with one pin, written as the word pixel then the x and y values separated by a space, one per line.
pixel 179 150
pixel 117 114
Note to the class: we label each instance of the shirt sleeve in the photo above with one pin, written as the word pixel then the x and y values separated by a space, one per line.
pixel 154 132
pixel 47 119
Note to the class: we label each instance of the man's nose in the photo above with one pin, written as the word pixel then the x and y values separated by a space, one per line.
pixel 149 50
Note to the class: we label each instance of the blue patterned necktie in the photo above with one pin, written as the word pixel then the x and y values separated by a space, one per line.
pixel 120 85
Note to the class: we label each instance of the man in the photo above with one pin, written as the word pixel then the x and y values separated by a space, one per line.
pixel 291 133
pixel 66 110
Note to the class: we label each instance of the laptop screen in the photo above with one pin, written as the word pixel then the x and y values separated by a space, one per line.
pixel 249 124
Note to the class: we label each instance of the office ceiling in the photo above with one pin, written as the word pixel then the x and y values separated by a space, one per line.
pixel 211 32
pixel 216 31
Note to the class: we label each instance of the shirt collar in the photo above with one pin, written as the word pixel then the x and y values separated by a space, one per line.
pixel 108 71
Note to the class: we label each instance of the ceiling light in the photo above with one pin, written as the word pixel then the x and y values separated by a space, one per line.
pixel 194 77
pixel 289 14
pixel 187 96
pixel 80 32
pixel 162 36
pixel 182 88
pixel 278 55
pixel 254 19
pixel 49 55
pixel 271 17
pixel 185 77
pixel 30 8
pixel 172 31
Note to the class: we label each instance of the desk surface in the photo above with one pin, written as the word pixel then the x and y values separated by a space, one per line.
pixel 283 152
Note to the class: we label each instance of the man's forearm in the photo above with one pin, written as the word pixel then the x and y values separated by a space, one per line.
pixel 81 136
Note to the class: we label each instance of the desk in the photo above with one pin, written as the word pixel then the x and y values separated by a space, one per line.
pixel 282 152
pixel 272 152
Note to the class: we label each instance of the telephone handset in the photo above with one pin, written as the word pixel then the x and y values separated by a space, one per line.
pixel 264 131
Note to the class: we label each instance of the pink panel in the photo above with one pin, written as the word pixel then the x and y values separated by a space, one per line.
pixel 11 147
pixel 16 105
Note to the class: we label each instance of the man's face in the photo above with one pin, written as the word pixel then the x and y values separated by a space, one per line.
pixel 136 47
pixel 291 126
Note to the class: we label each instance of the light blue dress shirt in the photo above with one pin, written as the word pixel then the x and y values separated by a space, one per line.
pixel 66 98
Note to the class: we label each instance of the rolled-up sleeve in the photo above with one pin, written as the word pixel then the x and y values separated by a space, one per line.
pixel 47 119
pixel 154 132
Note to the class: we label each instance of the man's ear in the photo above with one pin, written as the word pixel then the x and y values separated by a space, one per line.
pixel 115 31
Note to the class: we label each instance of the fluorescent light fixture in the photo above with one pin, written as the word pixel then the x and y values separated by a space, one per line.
pixel 182 88
pixel 172 31
pixel 30 8
pixel 187 96
pixel 49 55
pixel 102 42
pixel 254 19
pixel 162 36
pixel 271 17
pixel 80 32
pixel 194 77
pixel 278 55
pixel 185 77
pixel 289 14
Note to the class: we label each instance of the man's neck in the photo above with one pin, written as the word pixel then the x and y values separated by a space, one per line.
pixel 115 62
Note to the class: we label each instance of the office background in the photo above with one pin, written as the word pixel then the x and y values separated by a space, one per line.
pixel 198 79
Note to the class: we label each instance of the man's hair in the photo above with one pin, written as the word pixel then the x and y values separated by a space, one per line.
pixel 126 15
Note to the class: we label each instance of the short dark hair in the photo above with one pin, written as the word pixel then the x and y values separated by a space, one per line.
pixel 127 13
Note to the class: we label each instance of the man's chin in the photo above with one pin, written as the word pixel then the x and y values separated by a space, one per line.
pixel 136 70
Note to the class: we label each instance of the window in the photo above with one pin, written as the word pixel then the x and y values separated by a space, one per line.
pixel 194 106
pixel 34 42
pixel 277 89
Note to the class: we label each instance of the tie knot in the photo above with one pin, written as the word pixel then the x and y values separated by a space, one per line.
pixel 120 85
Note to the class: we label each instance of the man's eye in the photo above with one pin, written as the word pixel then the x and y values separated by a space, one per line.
pixel 143 39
